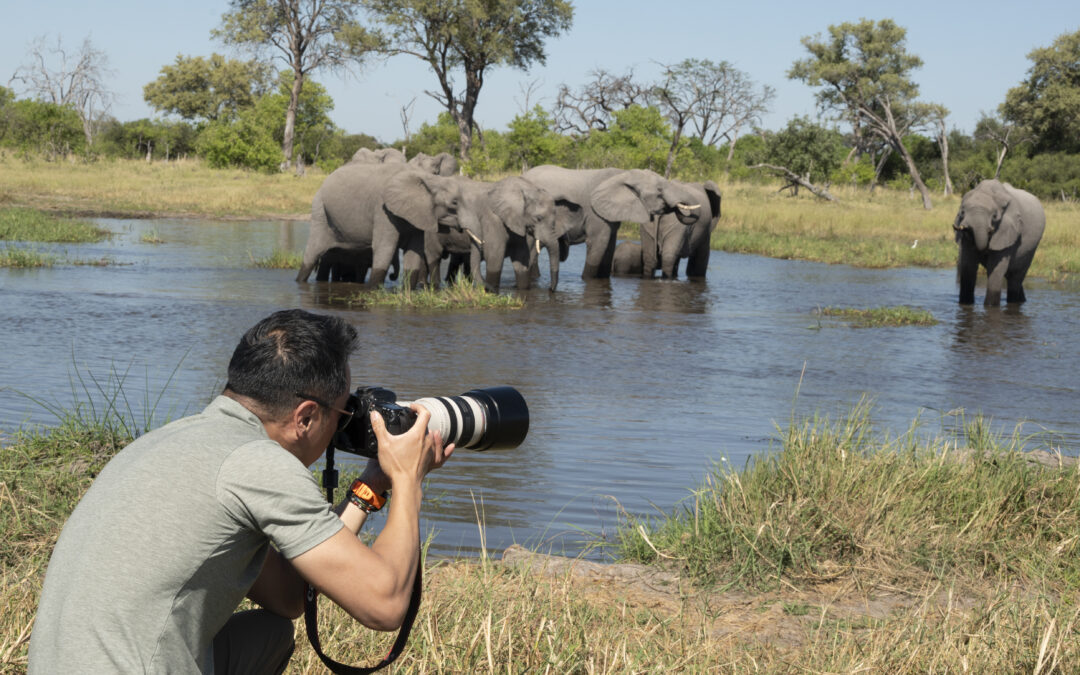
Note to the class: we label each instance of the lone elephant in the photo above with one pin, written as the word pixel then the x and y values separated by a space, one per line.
pixel 682 234
pixel 381 207
pixel 999 227
pixel 592 203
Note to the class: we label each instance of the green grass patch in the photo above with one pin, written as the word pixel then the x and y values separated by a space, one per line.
pixel 876 317
pixel 460 294
pixel 278 259
pixel 18 257
pixel 151 237
pixel 22 224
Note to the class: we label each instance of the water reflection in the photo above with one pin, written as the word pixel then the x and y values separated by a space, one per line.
pixel 635 388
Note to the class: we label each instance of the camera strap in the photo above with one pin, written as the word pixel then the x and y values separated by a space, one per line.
pixel 311 621
pixel 311 598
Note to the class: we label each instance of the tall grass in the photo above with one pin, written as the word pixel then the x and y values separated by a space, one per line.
pixel 279 259
pixel 876 317
pixel 18 257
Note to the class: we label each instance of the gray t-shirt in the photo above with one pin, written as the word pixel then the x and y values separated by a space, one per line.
pixel 167 542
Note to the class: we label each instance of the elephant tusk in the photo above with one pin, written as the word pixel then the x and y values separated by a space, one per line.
pixel 537 247
pixel 688 207
pixel 476 239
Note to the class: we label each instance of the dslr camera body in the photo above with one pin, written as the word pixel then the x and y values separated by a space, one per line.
pixel 480 419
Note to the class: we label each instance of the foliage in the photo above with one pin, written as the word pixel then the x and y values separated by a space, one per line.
pixel 207 89
pixel 1046 102
pixel 460 294
pixel 147 138
pixel 279 259
pixel 305 36
pixel 473 36
pixel 638 139
pixel 313 124
pixel 531 139
pixel 807 149
pixel 431 139
pixel 864 73
pixel 246 142
pixel 39 128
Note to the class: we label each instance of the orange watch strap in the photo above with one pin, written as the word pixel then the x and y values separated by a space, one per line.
pixel 363 492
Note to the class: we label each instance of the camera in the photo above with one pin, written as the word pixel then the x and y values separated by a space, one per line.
pixel 481 419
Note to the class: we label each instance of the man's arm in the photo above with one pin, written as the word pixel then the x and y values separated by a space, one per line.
pixel 374 584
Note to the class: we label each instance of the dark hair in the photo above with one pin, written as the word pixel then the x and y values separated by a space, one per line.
pixel 292 351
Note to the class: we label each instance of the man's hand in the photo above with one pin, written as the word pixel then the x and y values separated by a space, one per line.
pixel 409 456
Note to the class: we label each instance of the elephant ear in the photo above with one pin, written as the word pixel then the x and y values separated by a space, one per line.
pixel 408 196
pixel 508 203
pixel 447 165
pixel 616 200
pixel 1008 219
pixel 713 193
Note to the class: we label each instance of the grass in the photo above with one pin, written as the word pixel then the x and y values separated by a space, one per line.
pixel 977 548
pixel 24 224
pixel 151 236
pixel 279 259
pixel 877 317
pixel 136 188
pixel 25 258
pixel 460 294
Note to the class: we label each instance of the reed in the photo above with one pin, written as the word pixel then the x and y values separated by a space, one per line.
pixel 279 259
pixel 23 224
pixel 877 317
pixel 18 257
pixel 461 293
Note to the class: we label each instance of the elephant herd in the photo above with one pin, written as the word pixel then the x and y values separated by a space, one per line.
pixel 380 211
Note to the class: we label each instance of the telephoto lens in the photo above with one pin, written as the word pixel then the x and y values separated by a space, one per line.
pixel 492 418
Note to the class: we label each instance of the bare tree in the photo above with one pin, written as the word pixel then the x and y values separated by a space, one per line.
pixel 76 80
pixel 715 100
pixel 406 113
pixel 1007 136
pixel 941 136
pixel 527 92
pixel 593 106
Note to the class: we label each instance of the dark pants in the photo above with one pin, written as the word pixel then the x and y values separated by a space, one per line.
pixel 255 641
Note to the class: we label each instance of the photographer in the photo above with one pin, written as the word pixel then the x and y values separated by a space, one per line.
pixel 190 518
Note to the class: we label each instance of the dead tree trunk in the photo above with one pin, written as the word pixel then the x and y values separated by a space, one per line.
pixel 794 180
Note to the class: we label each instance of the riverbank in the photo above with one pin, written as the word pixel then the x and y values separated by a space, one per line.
pixel 839 551
pixel 882 229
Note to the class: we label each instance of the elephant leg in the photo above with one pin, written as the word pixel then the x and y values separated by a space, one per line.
pixel 599 251
pixel 1015 286
pixel 995 279
pixel 523 265
pixel 414 267
pixel 698 262
pixel 967 269
pixel 494 255
pixel 380 264
pixel 650 258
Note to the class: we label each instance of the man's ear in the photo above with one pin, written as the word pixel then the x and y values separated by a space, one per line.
pixel 303 417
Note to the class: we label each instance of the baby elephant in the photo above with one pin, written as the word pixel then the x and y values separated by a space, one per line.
pixel 998 227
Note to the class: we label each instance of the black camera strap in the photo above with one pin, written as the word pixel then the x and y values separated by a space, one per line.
pixel 311 600
pixel 311 621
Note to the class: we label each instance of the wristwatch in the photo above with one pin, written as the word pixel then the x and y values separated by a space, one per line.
pixel 364 497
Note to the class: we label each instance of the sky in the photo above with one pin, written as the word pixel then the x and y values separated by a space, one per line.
pixel 972 52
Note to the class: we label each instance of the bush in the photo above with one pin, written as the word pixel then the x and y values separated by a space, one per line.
pixel 244 143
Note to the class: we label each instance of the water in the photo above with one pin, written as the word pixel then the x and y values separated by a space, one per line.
pixel 636 390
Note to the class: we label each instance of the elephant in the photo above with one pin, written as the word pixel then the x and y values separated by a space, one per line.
pixel 999 227
pixel 380 156
pixel 381 207
pixel 442 164
pixel 592 203
pixel 627 260
pixel 350 266
pixel 674 235
pixel 511 218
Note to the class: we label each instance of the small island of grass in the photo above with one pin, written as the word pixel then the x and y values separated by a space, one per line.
pixel 461 294
pixel 876 317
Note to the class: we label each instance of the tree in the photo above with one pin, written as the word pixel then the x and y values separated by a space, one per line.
pixel 715 99
pixel 941 137
pixel 77 81
pixel 307 36
pixel 531 139
pixel 473 36
pixel 594 105
pixel 1048 101
pixel 864 71
pixel 197 88
pixel 1006 136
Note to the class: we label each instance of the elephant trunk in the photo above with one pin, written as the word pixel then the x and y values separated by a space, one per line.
pixel 552 246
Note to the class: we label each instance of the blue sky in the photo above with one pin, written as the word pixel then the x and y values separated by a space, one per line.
pixel 973 52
